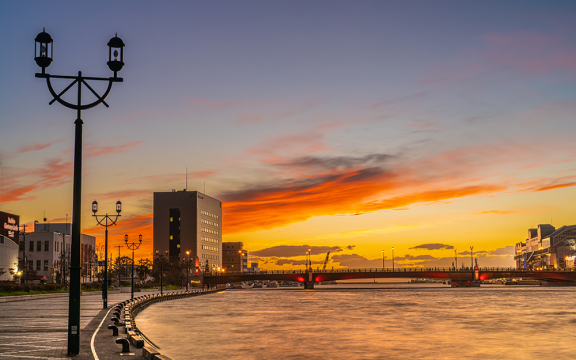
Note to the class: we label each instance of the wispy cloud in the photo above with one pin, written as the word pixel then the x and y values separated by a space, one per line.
pixel 92 149
pixel 435 246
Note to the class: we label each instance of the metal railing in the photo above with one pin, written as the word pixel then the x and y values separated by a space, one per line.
pixel 384 270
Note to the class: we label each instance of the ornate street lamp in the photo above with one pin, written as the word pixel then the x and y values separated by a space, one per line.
pixel 43 54
pixel 160 258
pixel 106 221
pixel 133 246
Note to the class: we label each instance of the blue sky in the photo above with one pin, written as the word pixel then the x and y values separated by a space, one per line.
pixel 392 122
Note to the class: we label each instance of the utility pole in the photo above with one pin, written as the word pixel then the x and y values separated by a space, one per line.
pixel 118 264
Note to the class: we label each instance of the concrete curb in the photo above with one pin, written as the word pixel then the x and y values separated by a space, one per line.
pixel 5 299
pixel 130 309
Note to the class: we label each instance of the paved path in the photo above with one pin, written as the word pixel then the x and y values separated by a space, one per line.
pixel 37 328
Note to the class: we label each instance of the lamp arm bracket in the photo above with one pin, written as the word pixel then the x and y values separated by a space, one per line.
pixel 80 80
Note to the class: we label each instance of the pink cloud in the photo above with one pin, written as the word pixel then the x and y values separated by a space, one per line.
pixel 229 104
pixel 35 147
pixel 91 149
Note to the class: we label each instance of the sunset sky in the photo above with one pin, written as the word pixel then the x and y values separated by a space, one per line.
pixel 349 126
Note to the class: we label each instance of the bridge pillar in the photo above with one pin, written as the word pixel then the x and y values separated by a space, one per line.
pixel 309 285
pixel 465 283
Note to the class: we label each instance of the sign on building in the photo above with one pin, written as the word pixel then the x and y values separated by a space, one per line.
pixel 9 226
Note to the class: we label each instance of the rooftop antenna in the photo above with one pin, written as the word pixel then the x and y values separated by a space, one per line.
pixel 186 177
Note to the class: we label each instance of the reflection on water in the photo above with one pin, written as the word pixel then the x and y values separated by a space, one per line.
pixel 368 321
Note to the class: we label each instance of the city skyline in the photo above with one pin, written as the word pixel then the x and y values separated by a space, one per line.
pixel 348 127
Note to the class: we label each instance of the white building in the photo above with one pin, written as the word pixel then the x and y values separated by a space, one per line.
pixel 8 257
pixel 547 247
pixel 45 249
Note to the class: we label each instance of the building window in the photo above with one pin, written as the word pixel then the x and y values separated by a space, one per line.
pixel 38 263
pixel 46 245
pixel 38 245
pixel 45 265
pixel 31 248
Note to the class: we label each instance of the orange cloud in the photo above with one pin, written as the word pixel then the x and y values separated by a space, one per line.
pixel 334 193
pixel 53 173
pixel 499 212
pixel 131 225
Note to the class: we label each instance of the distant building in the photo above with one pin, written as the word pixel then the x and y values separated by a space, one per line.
pixel 188 221
pixel 8 257
pixel 234 257
pixel 254 267
pixel 547 247
pixel 48 251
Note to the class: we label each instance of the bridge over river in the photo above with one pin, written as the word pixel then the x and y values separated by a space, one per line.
pixel 458 277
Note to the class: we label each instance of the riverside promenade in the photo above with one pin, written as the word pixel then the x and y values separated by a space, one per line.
pixel 35 327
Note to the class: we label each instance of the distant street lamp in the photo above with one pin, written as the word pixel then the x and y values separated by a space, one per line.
pixel 43 53
pixel 383 252
pixel 160 258
pixel 472 256
pixel 456 257
pixel 106 221
pixel 393 259
pixel 133 246
pixel 187 271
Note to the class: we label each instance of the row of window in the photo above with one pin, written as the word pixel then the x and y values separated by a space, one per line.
pixel 210 222
pixel 210 231
pixel 208 256
pixel 204 238
pixel 209 214
pixel 211 248
pixel 38 246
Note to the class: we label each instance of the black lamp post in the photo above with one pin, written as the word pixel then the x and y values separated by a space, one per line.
pixel 471 257
pixel 187 267
pixel 160 258
pixel 393 259
pixel 106 221
pixel 383 252
pixel 133 246
pixel 43 53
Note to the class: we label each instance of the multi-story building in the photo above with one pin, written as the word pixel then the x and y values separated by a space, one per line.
pixel 234 257
pixel 188 221
pixel 547 247
pixel 48 251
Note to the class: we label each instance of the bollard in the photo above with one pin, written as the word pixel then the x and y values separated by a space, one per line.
pixel 125 345
pixel 114 329
pixel 116 320
pixel 116 314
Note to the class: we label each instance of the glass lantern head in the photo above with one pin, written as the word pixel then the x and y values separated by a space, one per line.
pixel 118 207
pixel 115 54
pixel 43 50
pixel 95 206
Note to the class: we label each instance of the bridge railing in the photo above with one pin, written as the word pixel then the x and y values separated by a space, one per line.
pixel 381 270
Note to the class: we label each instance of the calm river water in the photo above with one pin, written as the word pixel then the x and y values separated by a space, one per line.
pixel 368 321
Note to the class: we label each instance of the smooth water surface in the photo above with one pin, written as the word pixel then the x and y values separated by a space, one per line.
pixel 368 321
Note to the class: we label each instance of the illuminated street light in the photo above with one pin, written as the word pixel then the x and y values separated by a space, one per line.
pixel 106 221
pixel 160 258
pixel 133 246
pixel 393 259
pixel 43 54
